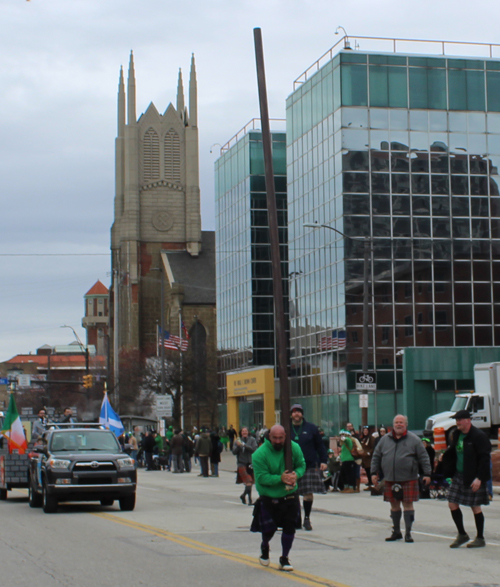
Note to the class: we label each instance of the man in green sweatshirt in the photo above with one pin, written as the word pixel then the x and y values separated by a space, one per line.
pixel 279 500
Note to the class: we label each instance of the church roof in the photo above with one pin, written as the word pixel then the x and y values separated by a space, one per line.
pixel 196 274
pixel 98 289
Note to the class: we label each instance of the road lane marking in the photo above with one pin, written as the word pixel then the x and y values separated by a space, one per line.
pixel 297 576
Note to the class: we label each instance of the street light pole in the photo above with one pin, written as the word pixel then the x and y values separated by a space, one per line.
pixel 86 351
pixel 366 297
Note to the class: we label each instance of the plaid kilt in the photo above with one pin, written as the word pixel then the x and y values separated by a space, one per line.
pixel 462 495
pixel 411 490
pixel 311 482
pixel 243 475
pixel 271 514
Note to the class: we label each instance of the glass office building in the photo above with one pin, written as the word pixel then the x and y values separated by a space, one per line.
pixel 404 150
pixel 245 320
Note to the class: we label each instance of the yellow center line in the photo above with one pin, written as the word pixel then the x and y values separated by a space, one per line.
pixel 298 576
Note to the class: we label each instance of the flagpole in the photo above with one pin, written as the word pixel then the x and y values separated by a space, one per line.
pixel 182 386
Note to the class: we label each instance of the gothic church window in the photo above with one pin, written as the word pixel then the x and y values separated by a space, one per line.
pixel 151 155
pixel 172 156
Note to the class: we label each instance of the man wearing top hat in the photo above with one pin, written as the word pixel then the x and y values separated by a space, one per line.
pixel 467 460
pixel 307 436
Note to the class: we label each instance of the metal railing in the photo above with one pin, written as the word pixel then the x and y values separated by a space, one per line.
pixel 254 124
pixel 393 48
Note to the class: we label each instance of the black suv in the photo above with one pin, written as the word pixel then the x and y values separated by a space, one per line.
pixel 81 464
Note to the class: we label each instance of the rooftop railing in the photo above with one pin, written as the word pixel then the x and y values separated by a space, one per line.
pixel 254 124
pixel 393 45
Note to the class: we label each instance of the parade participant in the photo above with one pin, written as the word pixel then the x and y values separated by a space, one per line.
pixel 468 461
pixel 278 505
pixel 39 425
pixel 348 465
pixel 68 417
pixel 399 454
pixel 243 449
pixel 307 436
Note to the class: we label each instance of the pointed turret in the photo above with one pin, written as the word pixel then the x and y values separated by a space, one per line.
pixel 121 105
pixel 180 96
pixel 131 119
pixel 193 95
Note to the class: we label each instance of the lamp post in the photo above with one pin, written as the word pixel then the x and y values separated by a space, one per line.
pixel 366 269
pixel 85 349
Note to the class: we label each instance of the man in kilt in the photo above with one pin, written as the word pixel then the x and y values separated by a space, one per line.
pixel 399 455
pixel 467 460
pixel 307 436
pixel 278 505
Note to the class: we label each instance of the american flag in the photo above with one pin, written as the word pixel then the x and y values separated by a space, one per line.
pixel 173 342
pixel 332 343
pixel 185 333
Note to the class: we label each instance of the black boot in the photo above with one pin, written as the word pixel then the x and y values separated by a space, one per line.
pixel 396 529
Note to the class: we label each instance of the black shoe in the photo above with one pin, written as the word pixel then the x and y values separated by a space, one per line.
pixel 285 564
pixel 242 497
pixel 250 502
pixel 307 525
pixel 459 540
pixel 408 537
pixel 264 555
pixel 477 543
pixel 394 536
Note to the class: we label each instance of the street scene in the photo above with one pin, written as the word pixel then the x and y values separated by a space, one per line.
pixel 193 530
pixel 250 294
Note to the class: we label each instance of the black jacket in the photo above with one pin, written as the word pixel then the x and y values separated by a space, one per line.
pixel 311 443
pixel 477 450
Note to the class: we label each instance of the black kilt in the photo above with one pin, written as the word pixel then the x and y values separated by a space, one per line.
pixel 270 514
pixel 462 495
pixel 311 482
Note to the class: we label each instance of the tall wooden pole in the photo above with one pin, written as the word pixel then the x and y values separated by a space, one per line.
pixel 272 214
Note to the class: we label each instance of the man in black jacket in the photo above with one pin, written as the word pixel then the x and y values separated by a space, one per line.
pixel 468 461
pixel 307 436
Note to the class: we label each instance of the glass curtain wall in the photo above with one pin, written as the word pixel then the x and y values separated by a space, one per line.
pixel 406 151
pixel 245 310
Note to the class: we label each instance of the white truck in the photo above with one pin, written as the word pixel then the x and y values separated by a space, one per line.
pixel 482 403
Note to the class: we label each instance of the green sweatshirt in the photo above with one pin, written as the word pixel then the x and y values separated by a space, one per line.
pixel 268 466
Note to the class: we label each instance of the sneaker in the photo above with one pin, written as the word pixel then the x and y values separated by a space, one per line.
pixel 307 525
pixel 394 536
pixel 477 543
pixel 459 540
pixel 285 564
pixel 264 555
pixel 408 537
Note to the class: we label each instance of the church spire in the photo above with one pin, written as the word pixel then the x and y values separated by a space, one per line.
pixel 193 95
pixel 132 119
pixel 121 105
pixel 180 96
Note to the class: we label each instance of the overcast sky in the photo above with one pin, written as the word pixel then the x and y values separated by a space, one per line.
pixel 59 67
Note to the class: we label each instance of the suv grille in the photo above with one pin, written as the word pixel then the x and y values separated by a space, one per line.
pixel 97 466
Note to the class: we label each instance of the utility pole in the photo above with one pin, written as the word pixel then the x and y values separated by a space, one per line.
pixel 279 312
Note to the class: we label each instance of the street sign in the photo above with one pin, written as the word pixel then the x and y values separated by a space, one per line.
pixel 366 381
pixel 363 400
pixel 24 380
pixel 4 381
pixel 163 406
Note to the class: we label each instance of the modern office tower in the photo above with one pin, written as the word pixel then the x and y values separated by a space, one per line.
pixel 245 320
pixel 403 150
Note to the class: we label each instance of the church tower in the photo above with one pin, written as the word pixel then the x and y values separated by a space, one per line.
pixel 157 208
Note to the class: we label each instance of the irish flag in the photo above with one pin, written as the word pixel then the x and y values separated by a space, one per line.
pixel 12 428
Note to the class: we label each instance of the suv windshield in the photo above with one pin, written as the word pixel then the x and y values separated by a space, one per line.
pixel 84 441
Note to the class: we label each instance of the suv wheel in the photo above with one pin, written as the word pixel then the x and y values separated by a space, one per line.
pixel 127 503
pixel 49 502
pixel 3 494
pixel 35 498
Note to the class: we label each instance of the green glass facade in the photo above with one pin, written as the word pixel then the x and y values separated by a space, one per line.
pixel 405 150
pixel 245 320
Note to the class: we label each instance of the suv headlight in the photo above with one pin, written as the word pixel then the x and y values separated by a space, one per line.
pixel 58 463
pixel 125 463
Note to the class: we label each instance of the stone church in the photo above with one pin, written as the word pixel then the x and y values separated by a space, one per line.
pixel 158 246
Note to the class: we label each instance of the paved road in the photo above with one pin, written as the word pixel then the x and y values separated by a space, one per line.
pixel 187 530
